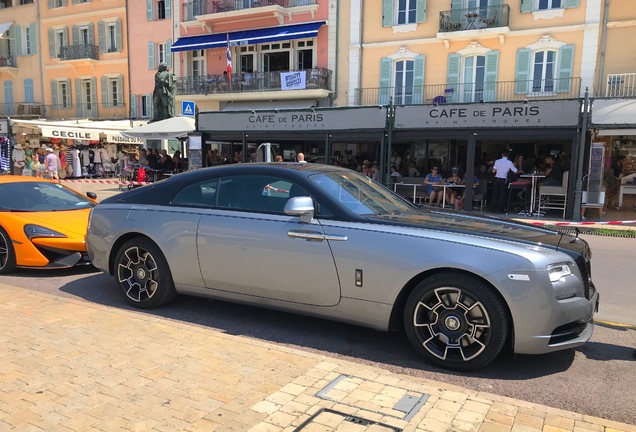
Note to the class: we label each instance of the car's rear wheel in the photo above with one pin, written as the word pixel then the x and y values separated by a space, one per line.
pixel 143 274
pixel 456 322
pixel 7 253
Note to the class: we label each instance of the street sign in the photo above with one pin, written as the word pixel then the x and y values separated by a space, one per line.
pixel 187 108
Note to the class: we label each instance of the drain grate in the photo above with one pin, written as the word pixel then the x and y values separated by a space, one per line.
pixel 328 420
pixel 374 397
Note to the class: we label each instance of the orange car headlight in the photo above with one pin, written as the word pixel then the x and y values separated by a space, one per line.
pixel 33 231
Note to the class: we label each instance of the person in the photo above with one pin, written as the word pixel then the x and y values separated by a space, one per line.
pixel 278 158
pixel 51 164
pixel 553 173
pixel 375 172
pixel 413 171
pixel 152 159
pixel 459 202
pixel 163 93
pixel 501 168
pixel 28 162
pixel 453 192
pixel 613 178
pixel 176 161
pixel 394 172
pixel 433 178
pixel 143 158
pixel 165 161
pixel 396 160
pixel 520 164
pixel 41 165
pixel 129 165
pixel 301 158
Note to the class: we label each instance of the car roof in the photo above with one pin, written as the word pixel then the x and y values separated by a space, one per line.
pixel 22 179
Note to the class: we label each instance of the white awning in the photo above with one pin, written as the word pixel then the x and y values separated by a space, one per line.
pixel 614 113
pixel 616 132
pixel 79 129
pixel 270 105
pixel 5 26
pixel 174 127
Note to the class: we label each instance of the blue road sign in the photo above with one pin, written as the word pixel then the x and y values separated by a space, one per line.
pixel 187 108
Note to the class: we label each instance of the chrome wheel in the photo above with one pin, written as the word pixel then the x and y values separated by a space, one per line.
pixel 137 273
pixel 456 321
pixel 452 324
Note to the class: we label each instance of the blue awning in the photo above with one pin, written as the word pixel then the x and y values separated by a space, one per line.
pixel 248 37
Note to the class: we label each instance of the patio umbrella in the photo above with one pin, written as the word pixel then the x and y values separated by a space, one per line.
pixel 174 127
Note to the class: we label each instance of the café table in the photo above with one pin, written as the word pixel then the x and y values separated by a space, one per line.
pixel 533 190
pixel 414 185
pixel 448 185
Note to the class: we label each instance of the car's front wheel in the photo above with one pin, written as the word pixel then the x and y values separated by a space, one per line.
pixel 7 253
pixel 456 322
pixel 143 274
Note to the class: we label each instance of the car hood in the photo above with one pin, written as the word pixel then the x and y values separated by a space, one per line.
pixel 481 226
pixel 71 222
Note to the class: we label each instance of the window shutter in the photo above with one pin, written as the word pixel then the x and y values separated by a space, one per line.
pixel 420 14
pixel 118 37
pixel 149 105
pixel 33 40
pixel 457 12
pixel 65 37
pixel 452 78
pixel 93 89
pixel 75 1
pixel 54 101
pixel 91 34
pixel 75 34
pixel 490 78
pixel 51 4
pixel 120 91
pixel 133 106
pixel 149 10
pixel 522 72
pixel 64 3
pixel 384 92
pixel 566 63
pixel 18 39
pixel 387 13
pixel 527 5
pixel 105 99
pixel 151 55
pixel 101 31
pixel 419 66
pixel 169 52
pixel 28 90
pixel 67 93
pixel 571 4
pixel 168 4
pixel 78 96
pixel 52 52
pixel 8 97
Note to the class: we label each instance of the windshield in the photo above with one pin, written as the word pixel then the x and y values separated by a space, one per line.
pixel 360 194
pixel 37 197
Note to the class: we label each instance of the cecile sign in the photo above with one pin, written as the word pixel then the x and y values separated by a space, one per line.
pixel 70 133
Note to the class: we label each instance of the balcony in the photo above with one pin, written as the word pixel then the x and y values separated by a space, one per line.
pixel 7 60
pixel 621 85
pixel 79 52
pixel 191 10
pixel 500 91
pixel 251 83
pixel 21 109
pixel 474 19
pixel 93 111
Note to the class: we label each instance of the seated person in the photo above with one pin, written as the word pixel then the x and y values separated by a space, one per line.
pixel 553 172
pixel 143 158
pixel 152 159
pixel 413 171
pixel 165 161
pixel 452 194
pixel 176 161
pixel 434 178
pixel 459 201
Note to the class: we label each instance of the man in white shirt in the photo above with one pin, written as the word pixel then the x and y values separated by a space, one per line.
pixel 501 169
pixel 18 159
pixel 301 158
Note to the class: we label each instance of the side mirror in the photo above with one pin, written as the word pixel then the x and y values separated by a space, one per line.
pixel 302 206
pixel 91 195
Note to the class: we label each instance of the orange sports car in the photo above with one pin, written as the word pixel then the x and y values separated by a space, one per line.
pixel 42 224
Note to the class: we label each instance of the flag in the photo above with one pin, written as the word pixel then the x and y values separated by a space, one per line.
pixel 229 59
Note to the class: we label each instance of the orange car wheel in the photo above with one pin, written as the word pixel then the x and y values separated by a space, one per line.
pixel 7 253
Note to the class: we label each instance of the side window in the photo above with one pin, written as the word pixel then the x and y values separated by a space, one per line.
pixel 201 195
pixel 264 194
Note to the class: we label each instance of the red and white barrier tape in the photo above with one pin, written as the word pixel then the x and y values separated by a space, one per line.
pixel 100 181
pixel 626 222
pixel 133 183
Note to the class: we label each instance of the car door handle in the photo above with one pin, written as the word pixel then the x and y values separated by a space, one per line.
pixel 307 235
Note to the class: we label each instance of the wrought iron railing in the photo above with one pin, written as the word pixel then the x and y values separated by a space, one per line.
pixel 95 111
pixel 77 52
pixel 7 60
pixel 474 18
pixel 22 109
pixel 621 85
pixel 500 91
pixel 253 82
pixel 205 7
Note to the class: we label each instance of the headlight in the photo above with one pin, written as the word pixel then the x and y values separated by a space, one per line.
pixel 32 231
pixel 558 271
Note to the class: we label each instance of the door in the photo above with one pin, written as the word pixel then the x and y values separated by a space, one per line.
pixel 473 81
pixel 404 82
pixel 248 246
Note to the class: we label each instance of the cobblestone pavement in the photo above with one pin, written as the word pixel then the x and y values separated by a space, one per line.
pixel 69 365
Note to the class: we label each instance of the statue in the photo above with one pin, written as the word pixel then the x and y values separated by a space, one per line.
pixel 163 94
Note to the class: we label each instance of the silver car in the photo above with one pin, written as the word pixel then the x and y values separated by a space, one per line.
pixel 328 242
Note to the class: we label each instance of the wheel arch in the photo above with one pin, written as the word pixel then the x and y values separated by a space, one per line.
pixel 396 321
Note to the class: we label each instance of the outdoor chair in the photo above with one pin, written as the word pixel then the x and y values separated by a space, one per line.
pixel 554 197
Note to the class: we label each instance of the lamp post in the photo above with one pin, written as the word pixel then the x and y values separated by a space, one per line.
pixel 390 123
pixel 578 187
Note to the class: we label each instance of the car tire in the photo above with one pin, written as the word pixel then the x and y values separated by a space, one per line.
pixel 7 253
pixel 456 321
pixel 143 274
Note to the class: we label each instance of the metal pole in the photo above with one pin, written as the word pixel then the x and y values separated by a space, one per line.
pixel 578 188
pixel 390 120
